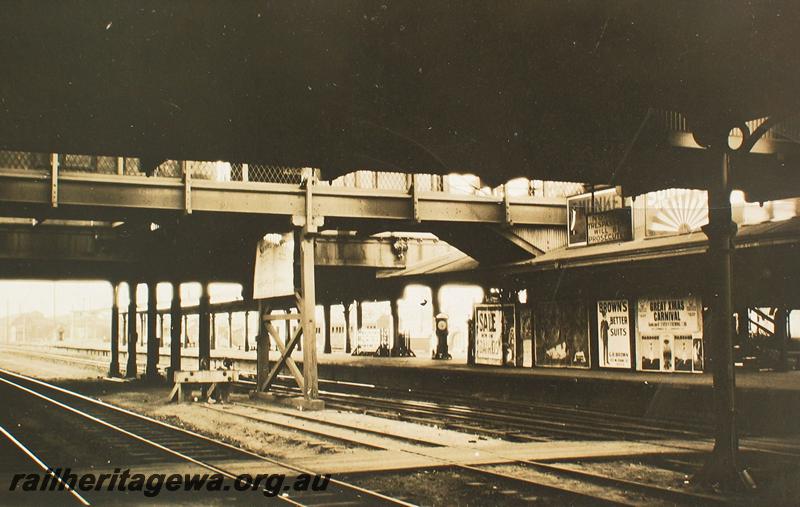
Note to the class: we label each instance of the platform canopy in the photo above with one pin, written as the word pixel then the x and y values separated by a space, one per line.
pixel 551 90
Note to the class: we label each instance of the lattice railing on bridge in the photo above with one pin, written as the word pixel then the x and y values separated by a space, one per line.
pixel 385 180
pixel 88 164
pixel 219 171
pixel 270 173
pixel 24 160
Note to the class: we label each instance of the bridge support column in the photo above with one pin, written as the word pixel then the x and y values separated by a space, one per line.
pixel 435 306
pixel 130 370
pixel 113 368
pixel 151 370
pixel 397 347
pixel 204 330
pixel 346 305
pixel 436 309
pixel 359 323
pixel 327 313
pixel 124 333
pixel 175 331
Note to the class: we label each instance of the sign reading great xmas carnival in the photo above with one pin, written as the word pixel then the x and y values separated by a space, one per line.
pixel 669 315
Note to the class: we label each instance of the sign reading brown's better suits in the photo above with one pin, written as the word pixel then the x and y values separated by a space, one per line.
pixel 613 333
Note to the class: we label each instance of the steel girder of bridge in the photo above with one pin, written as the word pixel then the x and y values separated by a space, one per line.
pixel 102 196
pixel 99 251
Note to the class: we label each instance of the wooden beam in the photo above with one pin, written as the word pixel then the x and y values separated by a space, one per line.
pixel 308 312
pixel 283 349
pixel 285 354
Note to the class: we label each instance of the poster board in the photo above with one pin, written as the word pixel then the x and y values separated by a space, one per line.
pixel 495 339
pixel 580 206
pixel 613 333
pixel 609 226
pixel 274 267
pixel 669 334
pixel 526 335
pixel 561 334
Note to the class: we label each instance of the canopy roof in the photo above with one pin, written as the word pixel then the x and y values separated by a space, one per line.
pixel 552 90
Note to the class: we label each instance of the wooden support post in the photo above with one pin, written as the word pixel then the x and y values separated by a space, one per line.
pixel 213 328
pixel 187 187
pixel 175 321
pixel 307 304
pixel 113 368
pixel 130 370
pixel 204 330
pixel 54 180
pixel 346 305
pixel 782 337
pixel 262 350
pixel 288 333
pixel 247 331
pixel 230 330
pixel 151 369
pixel 327 333
pixel 285 359
pixel 359 322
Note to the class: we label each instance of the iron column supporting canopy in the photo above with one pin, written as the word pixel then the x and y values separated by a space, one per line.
pixel 551 90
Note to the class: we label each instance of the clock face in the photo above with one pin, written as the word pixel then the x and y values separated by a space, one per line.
pixel 441 325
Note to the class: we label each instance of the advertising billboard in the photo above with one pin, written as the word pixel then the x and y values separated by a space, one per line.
pixel 669 315
pixel 669 334
pixel 274 266
pixel 495 337
pixel 609 226
pixel 580 207
pixel 489 334
pixel 561 334
pixel 613 334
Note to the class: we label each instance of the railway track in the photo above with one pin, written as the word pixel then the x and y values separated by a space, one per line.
pixel 516 423
pixel 187 446
pixel 525 479
pixel 558 479
pixel 212 455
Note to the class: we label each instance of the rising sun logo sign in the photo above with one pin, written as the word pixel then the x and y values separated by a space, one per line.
pixel 676 211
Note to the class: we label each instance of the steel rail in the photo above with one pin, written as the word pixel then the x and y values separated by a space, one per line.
pixel 80 396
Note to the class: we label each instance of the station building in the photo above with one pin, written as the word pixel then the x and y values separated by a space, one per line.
pixel 627 289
